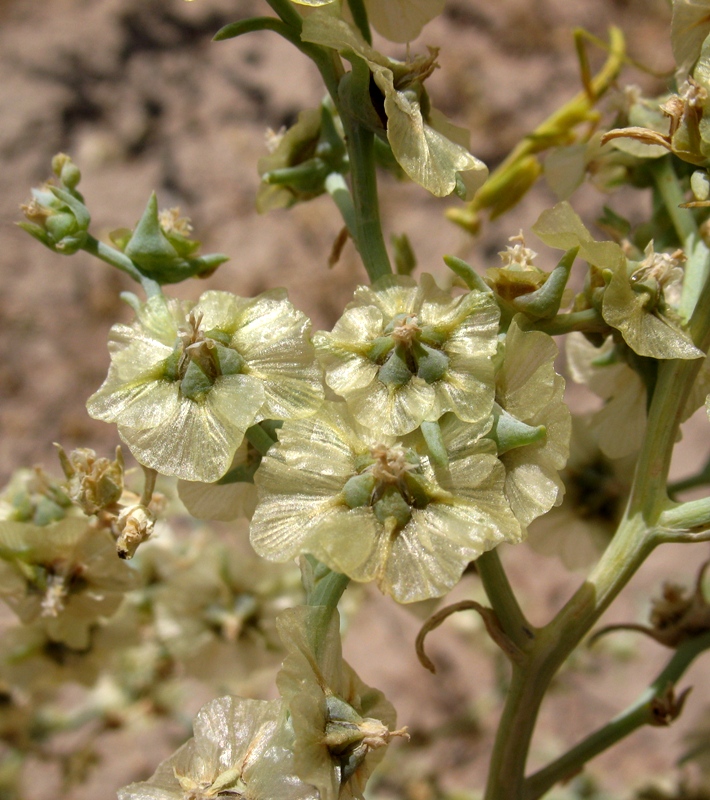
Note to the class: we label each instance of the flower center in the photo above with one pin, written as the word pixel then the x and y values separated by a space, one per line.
pixel 390 484
pixel 200 357
pixel 405 330
pixel 390 464
pixel 54 596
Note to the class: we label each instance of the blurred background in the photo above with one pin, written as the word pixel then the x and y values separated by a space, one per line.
pixel 138 95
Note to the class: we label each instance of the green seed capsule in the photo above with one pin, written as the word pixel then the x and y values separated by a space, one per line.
pixel 508 432
pixel 230 362
pixel 219 336
pixel 431 364
pixel 392 504
pixel 395 372
pixel 357 492
pixel 195 383
pixel 380 348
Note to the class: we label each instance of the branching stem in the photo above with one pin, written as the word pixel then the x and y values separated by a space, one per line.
pixel 647 710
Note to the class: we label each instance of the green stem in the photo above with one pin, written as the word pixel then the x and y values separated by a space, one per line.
pixel 116 258
pixel 359 12
pixel 640 713
pixel 503 600
pixel 289 27
pixel 587 321
pixel 631 545
pixel 368 230
pixel 287 12
pixel 110 255
pixel 554 130
pixel 259 439
pixel 694 514
pixel 697 267
pixel 234 29
pixel 337 188
pixel 552 645
pixel 328 590
pixel 672 194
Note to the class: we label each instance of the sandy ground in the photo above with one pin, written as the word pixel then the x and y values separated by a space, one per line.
pixel 142 100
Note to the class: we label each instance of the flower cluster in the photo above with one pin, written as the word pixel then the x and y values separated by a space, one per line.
pixel 64 575
pixel 445 442
pixel 320 739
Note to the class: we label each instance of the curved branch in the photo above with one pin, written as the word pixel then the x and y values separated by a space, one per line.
pixel 490 620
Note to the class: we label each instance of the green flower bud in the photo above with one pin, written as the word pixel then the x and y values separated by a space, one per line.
pixel 66 170
pixel 301 160
pixel 160 248
pixel 57 218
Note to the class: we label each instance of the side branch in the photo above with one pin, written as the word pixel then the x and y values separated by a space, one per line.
pixel 658 705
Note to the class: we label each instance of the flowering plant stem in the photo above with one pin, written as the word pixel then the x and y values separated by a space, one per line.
pixel 639 532
pixel 556 128
pixel 368 229
pixel 649 709
pixel 115 258
pixel 503 601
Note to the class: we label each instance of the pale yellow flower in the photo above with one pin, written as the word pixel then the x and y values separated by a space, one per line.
pixel 427 147
pixel 376 507
pixel 403 353
pixel 341 725
pixel 240 749
pixel 529 389
pixel 186 381
pixel 64 575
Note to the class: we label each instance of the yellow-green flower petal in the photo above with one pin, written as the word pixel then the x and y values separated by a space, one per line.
pixel 454 514
pixel 402 20
pixel 528 388
pixel 647 332
pixel 396 318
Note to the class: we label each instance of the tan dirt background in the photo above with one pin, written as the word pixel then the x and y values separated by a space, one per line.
pixel 138 95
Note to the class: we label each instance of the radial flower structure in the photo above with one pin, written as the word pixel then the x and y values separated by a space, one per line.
pixel 186 380
pixel 341 726
pixel 65 575
pixel 530 391
pixel 635 298
pixel 640 301
pixel 376 507
pixel 241 748
pixel 215 608
pixel 403 353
